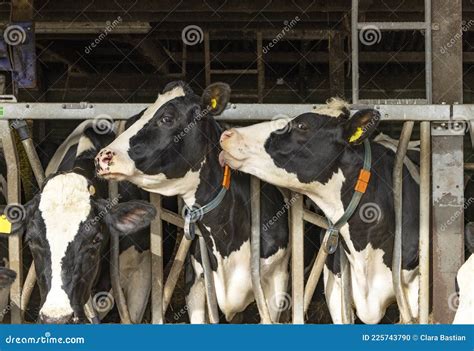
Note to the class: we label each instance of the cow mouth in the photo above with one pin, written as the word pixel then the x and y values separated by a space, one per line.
pixel 108 175
pixel 226 158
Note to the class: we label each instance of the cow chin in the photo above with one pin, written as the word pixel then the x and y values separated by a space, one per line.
pixel 118 171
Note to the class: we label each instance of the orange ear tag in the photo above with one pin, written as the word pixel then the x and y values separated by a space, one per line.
pixel 226 179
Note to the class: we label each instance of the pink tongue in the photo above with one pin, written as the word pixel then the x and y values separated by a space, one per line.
pixel 221 159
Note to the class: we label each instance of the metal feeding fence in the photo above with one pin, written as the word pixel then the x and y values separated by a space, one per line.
pixel 442 129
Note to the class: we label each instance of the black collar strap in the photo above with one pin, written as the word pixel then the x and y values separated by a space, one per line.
pixel 192 215
pixel 331 238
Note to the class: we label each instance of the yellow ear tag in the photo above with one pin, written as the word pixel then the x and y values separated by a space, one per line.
pixel 358 133
pixel 5 225
pixel 213 102
pixel 91 190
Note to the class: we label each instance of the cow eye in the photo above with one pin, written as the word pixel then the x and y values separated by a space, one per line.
pixel 97 239
pixel 302 126
pixel 166 119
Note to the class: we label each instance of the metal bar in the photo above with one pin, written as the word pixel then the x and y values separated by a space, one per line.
pixel 405 314
pixel 207 58
pixel 234 71
pixel 175 271
pixel 297 261
pixel 346 288
pixel 156 251
pixel 260 297
pixel 447 218
pixel 260 67
pixel 236 112
pixel 313 278
pixel 211 297
pixel 428 53
pixel 424 253
pixel 315 219
pixel 35 163
pixel 393 25
pixel 355 50
pixel 14 241
pixel 115 265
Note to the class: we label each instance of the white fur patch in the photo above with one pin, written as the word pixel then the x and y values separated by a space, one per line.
pixel 65 203
pixel 465 279
pixel 85 144
pixel 334 107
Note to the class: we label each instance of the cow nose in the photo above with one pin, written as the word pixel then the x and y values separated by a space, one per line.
pixel 227 134
pixel 104 159
pixel 44 319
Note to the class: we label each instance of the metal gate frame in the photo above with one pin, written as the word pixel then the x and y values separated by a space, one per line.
pixel 436 116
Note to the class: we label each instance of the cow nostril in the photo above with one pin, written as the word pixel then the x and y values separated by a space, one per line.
pixel 226 135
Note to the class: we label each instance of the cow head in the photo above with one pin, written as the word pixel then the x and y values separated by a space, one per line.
pixel 305 153
pixel 165 148
pixel 67 229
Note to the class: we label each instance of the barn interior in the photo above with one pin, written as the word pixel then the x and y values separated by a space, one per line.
pixel 127 51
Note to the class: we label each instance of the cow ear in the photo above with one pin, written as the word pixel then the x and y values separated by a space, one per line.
pixel 15 217
pixel 361 126
pixel 130 217
pixel 215 98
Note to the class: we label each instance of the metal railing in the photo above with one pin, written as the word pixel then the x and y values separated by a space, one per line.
pixel 428 115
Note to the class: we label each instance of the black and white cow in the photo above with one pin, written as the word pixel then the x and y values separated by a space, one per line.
pixel 173 149
pixel 320 155
pixel 68 225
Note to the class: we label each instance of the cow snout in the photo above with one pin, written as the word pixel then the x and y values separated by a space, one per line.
pixel 230 136
pixel 64 319
pixel 104 160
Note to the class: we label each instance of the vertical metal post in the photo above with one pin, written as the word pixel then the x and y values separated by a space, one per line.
pixel 211 298
pixel 207 58
pixel 336 63
pixel 403 306
pixel 447 158
pixel 260 67
pixel 428 54
pixel 175 270
pixel 14 241
pixel 297 261
pixel 424 253
pixel 355 51
pixel 448 217
pixel 156 250
pixel 255 251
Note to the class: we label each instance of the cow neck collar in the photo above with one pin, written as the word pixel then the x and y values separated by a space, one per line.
pixel 331 237
pixel 198 210
pixel 196 213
